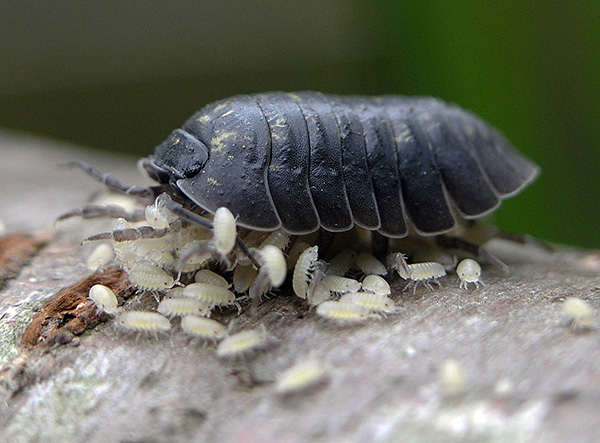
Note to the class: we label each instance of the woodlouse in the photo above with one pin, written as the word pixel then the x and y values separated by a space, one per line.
pixel 383 163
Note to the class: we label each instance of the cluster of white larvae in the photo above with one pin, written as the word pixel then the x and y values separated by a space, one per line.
pixel 170 258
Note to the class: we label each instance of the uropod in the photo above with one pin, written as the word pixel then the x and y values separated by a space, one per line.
pixel 304 161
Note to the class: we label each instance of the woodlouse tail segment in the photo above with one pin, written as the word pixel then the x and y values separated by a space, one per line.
pixel 112 183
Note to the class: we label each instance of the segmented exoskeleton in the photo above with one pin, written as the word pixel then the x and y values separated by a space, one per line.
pixel 300 161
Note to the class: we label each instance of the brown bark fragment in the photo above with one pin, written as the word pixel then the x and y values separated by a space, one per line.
pixel 16 250
pixel 70 312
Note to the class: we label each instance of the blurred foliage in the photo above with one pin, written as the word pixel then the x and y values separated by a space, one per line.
pixel 532 69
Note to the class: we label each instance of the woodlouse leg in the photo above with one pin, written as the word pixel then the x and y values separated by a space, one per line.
pixel 523 239
pixel 113 184
pixel 186 214
pixel 129 234
pixel 104 211
pixel 447 242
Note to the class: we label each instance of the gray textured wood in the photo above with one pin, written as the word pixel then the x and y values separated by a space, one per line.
pixel 530 377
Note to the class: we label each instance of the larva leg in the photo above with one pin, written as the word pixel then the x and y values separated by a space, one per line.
pixel 113 184
pixel 104 211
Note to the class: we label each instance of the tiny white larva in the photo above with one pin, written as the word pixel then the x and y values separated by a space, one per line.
pixel 211 294
pixel 376 284
pixel 224 230
pixel 242 343
pixel 342 312
pixel 319 294
pixel 301 377
pixel 426 272
pixel 212 278
pixel 243 276
pixel 182 306
pixel 469 271
pixel 271 257
pixel 203 327
pixel 341 263
pixel 157 215
pixel 272 271
pixel 294 253
pixel 580 313
pixel 452 378
pixel 373 302
pixel 369 264
pixel 148 276
pixel 303 270
pixel 142 321
pixel 341 285
pixel 104 298
pixel 280 239
pixel 101 256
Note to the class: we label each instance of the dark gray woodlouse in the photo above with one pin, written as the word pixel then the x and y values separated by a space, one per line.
pixel 305 160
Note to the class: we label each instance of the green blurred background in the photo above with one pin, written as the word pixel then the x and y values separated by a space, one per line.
pixel 119 76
